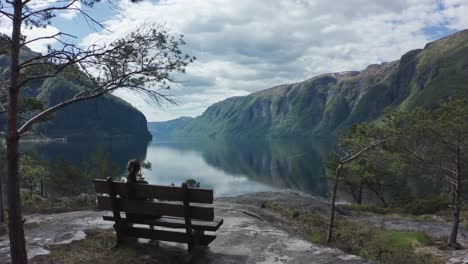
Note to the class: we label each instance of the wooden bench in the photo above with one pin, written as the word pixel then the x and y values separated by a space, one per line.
pixel 164 206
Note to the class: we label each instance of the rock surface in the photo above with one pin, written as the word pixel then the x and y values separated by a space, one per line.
pixel 248 235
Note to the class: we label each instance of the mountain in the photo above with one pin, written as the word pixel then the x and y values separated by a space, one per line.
pixel 329 104
pixel 101 118
pixel 164 129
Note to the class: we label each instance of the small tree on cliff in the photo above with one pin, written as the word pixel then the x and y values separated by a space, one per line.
pixel 437 141
pixel 32 173
pixel 361 139
pixel 141 61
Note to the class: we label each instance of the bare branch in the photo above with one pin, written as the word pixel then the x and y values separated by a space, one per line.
pixel 59 106
pixel 10 16
pixel 428 162
pixel 359 153
pixel 55 36
pixel 42 12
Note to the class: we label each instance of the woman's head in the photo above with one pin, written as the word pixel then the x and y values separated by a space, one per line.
pixel 133 166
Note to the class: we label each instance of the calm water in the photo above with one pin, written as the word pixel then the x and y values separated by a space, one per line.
pixel 230 168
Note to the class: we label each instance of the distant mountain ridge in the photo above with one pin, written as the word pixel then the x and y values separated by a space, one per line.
pixel 105 117
pixel 329 104
pixel 164 129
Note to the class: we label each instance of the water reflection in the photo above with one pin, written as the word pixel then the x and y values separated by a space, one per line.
pixel 230 168
pixel 173 163
pixel 238 167
pixel 77 152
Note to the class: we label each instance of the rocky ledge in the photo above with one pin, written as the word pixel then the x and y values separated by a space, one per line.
pixel 248 235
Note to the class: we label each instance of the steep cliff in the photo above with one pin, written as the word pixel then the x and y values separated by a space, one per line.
pixel 328 104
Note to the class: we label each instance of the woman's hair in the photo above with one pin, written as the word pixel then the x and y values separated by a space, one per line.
pixel 133 168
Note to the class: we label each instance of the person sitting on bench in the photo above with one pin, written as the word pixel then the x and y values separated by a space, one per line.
pixel 134 172
pixel 134 176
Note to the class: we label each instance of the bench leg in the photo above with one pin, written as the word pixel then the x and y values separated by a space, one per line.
pixel 121 234
pixel 195 245
pixel 118 235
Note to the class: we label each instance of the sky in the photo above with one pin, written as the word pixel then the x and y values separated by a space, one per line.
pixel 243 46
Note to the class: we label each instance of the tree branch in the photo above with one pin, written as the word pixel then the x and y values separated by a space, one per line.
pixel 49 9
pixel 59 106
pixel 10 16
pixel 346 160
pixel 55 36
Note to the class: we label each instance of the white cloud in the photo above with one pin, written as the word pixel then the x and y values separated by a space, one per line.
pixel 244 46
pixel 40 45
pixel 31 33
pixel 72 12
pixel 37 32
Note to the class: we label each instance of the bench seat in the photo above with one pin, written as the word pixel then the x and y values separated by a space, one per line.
pixel 173 222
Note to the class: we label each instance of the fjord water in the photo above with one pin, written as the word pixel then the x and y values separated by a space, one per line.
pixel 229 167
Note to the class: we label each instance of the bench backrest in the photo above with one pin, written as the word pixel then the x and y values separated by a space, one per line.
pixel 171 201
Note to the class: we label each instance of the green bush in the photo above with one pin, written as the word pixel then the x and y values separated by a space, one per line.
pixel 384 246
pixel 414 207
pixel 426 206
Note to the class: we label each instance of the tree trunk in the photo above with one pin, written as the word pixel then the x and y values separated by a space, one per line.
pixel 377 193
pixel 452 241
pixel 333 202
pixel 15 220
pixel 456 203
pixel 2 208
pixel 42 186
pixel 361 185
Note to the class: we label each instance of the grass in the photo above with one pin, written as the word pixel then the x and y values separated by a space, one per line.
pixel 424 210
pixel 369 242
pixel 404 239
pixel 417 210
pixel 366 208
pixel 39 205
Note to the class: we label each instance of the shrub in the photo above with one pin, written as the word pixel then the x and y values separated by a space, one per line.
pixel 367 241
pixel 426 206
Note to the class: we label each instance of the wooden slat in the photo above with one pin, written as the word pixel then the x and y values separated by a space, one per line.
pixel 168 193
pixel 174 223
pixel 164 235
pixel 155 208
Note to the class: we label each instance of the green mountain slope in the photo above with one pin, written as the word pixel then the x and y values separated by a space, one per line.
pixel 163 130
pixel 102 118
pixel 328 104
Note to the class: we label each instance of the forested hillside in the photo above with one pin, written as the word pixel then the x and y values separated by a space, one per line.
pixel 104 117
